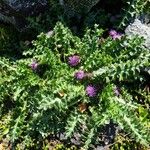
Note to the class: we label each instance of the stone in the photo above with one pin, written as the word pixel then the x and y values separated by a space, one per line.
pixel 27 7
pixel 141 29
pixel 16 11
pixel 145 18
pixel 78 7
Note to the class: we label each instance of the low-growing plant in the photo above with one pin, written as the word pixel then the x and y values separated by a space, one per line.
pixel 67 84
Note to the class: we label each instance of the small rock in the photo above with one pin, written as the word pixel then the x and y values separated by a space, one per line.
pixel 16 11
pixel 138 28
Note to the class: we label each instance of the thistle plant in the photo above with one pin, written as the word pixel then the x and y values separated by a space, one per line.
pixel 79 86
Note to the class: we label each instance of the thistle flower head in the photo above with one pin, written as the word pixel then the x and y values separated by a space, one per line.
pixel 112 33
pixel 91 91
pixel 74 60
pixel 117 36
pixel 79 75
pixel 34 65
pixel 117 91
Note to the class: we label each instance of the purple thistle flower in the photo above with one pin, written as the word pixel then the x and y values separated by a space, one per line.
pixel 74 60
pixel 117 36
pixel 91 91
pixel 112 33
pixel 79 75
pixel 117 91
pixel 34 65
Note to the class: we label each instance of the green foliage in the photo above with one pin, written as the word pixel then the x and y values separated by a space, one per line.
pixel 49 100
pixel 135 9
pixel 122 142
pixel 5 38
